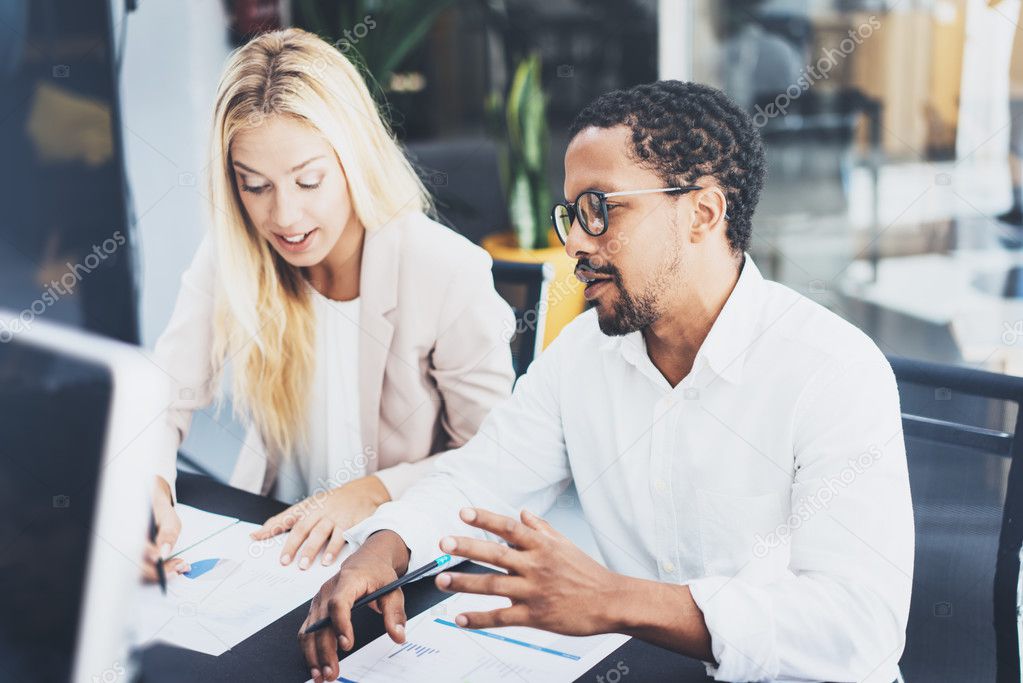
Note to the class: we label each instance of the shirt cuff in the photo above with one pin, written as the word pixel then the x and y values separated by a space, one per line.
pixel 419 536
pixel 401 477
pixel 740 618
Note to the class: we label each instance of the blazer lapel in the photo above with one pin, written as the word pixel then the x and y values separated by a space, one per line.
pixel 378 291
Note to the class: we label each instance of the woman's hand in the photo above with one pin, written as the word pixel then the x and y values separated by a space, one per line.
pixel 168 528
pixel 320 520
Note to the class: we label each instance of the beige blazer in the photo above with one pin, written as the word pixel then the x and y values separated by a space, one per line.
pixel 433 358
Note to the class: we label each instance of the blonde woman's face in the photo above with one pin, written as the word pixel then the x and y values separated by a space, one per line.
pixel 292 188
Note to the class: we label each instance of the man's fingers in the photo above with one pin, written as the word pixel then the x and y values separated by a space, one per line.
pixel 539 524
pixel 483 551
pixel 334 547
pixel 516 615
pixel 277 524
pixel 484 584
pixel 392 606
pixel 340 609
pixel 316 539
pixel 508 528
pixel 326 653
pixel 308 645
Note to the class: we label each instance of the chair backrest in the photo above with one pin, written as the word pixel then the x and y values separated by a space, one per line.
pixel 962 430
pixel 464 176
pixel 524 287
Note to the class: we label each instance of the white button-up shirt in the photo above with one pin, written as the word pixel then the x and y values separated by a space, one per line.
pixel 771 480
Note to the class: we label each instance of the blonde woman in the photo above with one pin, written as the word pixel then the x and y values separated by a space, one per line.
pixel 362 336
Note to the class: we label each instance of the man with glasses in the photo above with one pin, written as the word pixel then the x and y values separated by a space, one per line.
pixel 736 448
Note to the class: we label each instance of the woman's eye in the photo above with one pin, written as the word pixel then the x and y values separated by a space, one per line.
pixel 254 189
pixel 309 186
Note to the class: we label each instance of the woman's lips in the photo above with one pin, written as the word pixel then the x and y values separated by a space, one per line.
pixel 296 247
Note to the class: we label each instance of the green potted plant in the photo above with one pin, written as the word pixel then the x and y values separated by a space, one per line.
pixel 377 33
pixel 523 126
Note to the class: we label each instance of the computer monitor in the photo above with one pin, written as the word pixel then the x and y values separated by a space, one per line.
pixel 77 447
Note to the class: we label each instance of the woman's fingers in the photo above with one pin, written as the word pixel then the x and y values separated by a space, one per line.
pixel 317 538
pixel 296 538
pixel 176 566
pixel 278 524
pixel 334 547
pixel 171 567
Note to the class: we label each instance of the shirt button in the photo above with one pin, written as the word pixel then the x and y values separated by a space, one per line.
pixel 660 486
pixel 667 566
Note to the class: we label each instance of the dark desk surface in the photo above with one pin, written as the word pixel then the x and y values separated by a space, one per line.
pixel 273 653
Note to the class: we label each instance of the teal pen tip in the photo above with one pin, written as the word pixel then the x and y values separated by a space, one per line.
pixel 443 559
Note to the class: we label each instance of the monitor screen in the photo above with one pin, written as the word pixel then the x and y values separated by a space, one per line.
pixel 64 231
pixel 53 422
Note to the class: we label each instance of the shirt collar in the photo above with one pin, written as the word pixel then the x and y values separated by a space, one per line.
pixel 730 337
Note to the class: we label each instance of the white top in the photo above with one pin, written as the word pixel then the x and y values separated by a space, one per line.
pixel 333 455
pixel 772 480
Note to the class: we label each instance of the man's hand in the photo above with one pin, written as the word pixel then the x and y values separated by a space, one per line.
pixel 320 521
pixel 168 528
pixel 552 584
pixel 378 562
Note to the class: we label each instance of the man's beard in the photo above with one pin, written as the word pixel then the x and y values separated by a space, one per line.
pixel 628 313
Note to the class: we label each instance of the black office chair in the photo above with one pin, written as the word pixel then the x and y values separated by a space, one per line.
pixel 524 287
pixel 963 445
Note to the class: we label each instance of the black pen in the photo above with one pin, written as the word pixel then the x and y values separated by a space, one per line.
pixel 366 599
pixel 161 575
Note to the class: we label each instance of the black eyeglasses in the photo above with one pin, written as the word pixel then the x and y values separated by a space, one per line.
pixel 590 207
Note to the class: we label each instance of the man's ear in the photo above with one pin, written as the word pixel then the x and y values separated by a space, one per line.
pixel 708 211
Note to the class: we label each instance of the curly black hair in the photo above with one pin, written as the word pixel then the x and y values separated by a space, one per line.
pixel 682 131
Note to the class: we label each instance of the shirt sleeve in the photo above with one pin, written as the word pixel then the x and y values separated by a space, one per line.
pixel 184 353
pixel 471 363
pixel 471 360
pixel 398 478
pixel 840 611
pixel 516 460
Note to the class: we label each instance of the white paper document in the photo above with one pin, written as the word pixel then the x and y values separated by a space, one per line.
pixel 438 650
pixel 236 586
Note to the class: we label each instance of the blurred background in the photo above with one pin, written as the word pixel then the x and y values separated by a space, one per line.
pixel 892 196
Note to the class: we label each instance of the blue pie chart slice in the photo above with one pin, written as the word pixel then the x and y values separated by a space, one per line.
pixel 201 567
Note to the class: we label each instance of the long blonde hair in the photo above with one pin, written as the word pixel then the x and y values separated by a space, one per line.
pixel 263 321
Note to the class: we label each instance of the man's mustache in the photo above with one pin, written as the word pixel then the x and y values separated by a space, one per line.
pixel 607 269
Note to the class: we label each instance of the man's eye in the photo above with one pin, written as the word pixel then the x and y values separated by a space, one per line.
pixel 254 189
pixel 612 206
